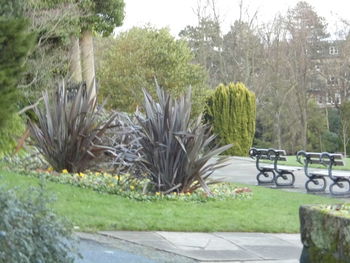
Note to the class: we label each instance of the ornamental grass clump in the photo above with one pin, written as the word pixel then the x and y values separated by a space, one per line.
pixel 176 149
pixel 68 131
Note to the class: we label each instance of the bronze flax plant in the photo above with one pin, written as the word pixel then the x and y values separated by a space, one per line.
pixel 69 129
pixel 175 149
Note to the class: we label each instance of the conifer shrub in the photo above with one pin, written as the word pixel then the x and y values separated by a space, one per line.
pixel 15 43
pixel 231 110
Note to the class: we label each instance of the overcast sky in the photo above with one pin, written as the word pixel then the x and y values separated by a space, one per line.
pixel 176 14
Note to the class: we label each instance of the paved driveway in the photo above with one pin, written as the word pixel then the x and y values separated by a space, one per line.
pixel 243 170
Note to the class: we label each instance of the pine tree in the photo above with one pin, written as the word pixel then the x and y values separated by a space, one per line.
pixel 231 110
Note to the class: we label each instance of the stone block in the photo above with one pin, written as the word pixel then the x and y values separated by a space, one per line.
pixel 325 234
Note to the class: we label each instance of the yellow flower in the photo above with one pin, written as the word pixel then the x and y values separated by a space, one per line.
pixel 132 187
pixel 188 193
pixel 97 173
pixel 64 171
pixel 111 185
pixel 157 193
pixel 50 169
pixel 81 174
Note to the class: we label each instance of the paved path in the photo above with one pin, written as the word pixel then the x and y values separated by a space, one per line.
pixel 93 251
pixel 183 247
pixel 243 170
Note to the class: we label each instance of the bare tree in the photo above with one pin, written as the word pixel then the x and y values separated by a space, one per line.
pixel 305 29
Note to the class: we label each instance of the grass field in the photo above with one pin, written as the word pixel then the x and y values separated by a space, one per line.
pixel 268 210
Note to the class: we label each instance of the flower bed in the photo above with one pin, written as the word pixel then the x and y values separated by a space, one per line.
pixel 130 187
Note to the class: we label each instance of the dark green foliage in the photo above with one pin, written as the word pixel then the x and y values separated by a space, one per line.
pixel 102 16
pixel 13 129
pixel 29 230
pixel 231 111
pixel 334 120
pixel 175 149
pixel 15 43
pixel 69 129
pixel 331 142
pixel 323 137
pixel 13 8
pixel 317 127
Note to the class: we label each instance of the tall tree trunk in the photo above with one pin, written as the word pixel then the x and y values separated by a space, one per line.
pixel 327 119
pixel 278 129
pixel 74 63
pixel 88 62
pixel 344 142
pixel 304 124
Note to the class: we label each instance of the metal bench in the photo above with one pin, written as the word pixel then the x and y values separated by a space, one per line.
pixel 316 182
pixel 273 173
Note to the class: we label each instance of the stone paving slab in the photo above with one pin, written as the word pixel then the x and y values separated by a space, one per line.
pixel 222 255
pixel 219 246
pixel 264 261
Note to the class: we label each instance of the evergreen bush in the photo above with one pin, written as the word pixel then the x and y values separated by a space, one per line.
pixel 231 110
pixel 13 129
pixel 15 43
pixel 30 231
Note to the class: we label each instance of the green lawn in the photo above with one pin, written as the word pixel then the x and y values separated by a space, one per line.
pixel 268 210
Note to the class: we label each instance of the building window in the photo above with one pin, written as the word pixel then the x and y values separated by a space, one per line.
pixel 337 98
pixel 330 99
pixel 332 81
pixel 333 50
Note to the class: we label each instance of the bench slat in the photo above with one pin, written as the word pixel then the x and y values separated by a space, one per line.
pixel 336 162
pixel 289 168
pixel 337 156
pixel 313 155
pixel 319 172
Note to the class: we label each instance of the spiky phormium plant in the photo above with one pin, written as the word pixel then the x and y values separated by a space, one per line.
pixel 68 130
pixel 175 149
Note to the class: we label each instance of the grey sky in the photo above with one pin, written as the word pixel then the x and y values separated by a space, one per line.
pixel 176 14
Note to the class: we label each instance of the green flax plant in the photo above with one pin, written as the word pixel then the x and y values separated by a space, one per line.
pixel 175 149
pixel 69 129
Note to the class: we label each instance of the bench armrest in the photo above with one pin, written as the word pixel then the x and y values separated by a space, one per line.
pixel 302 157
pixel 253 152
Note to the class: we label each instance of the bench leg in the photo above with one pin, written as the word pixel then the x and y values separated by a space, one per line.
pixel 285 179
pixel 316 184
pixel 340 187
pixel 266 177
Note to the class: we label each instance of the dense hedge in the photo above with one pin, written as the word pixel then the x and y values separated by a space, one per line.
pixel 15 43
pixel 231 110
